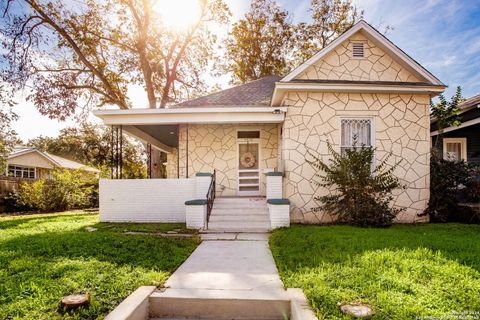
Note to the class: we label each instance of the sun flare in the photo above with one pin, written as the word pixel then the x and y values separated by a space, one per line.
pixel 178 14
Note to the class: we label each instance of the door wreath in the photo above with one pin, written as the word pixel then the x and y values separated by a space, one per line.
pixel 247 160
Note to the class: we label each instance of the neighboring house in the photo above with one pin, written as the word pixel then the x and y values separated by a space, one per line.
pixel 461 142
pixel 361 85
pixel 31 163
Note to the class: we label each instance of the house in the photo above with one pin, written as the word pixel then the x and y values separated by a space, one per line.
pixel 361 84
pixel 31 163
pixel 461 142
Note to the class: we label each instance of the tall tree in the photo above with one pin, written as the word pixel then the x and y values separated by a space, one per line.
pixel 75 55
pixel 329 19
pixel 446 113
pixel 258 44
pixel 88 53
pixel 90 144
pixel 8 136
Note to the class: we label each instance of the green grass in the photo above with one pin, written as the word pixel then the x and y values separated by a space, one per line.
pixel 404 272
pixel 45 257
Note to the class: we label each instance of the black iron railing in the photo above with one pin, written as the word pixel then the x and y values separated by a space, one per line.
pixel 211 195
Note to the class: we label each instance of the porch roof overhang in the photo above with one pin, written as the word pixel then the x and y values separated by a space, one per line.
pixel 197 115
pixel 159 127
pixel 281 88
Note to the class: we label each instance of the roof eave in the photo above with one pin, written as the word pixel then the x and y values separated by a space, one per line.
pixel 282 87
pixel 191 115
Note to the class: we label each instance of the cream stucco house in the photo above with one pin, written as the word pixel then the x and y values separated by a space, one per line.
pixel 31 163
pixel 360 84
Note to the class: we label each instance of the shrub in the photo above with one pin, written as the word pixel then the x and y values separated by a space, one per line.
pixel 32 195
pixel 472 190
pixel 360 193
pixel 445 178
pixel 451 182
pixel 68 189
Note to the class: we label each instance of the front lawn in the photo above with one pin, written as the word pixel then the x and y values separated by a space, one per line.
pixel 404 272
pixel 45 257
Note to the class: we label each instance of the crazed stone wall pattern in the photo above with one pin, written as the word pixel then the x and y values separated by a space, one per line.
pixel 401 124
pixel 214 146
pixel 340 65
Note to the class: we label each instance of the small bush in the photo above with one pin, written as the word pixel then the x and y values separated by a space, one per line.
pixel 12 204
pixel 32 195
pixel 472 190
pixel 68 189
pixel 361 194
pixel 445 178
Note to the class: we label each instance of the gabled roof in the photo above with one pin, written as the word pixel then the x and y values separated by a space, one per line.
pixel 255 93
pixel 469 112
pixel 470 102
pixel 55 160
pixel 376 37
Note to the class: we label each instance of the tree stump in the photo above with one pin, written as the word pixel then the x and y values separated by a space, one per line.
pixel 75 301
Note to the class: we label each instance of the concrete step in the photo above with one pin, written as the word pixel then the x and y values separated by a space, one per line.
pixel 241 203
pixel 220 304
pixel 240 209
pixel 241 215
pixel 246 218
pixel 237 230
pixel 238 224
pixel 235 213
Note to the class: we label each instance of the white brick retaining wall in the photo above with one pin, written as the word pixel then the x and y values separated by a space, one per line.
pixel 274 186
pixel 279 215
pixel 196 216
pixel 145 200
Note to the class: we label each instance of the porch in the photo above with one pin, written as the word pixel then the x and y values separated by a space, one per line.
pixel 240 145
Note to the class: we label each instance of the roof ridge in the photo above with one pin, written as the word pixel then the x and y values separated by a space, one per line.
pixel 259 91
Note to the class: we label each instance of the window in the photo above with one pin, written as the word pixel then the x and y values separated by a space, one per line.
pixel 248 134
pixel 358 50
pixel 21 172
pixel 356 128
pixel 455 149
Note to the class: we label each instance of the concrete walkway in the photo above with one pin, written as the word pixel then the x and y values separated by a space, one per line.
pixel 229 265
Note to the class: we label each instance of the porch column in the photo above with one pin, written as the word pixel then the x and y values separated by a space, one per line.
pixel 116 162
pixel 274 185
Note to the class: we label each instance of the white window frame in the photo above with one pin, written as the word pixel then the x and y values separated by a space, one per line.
pixel 22 169
pixel 372 133
pixel 463 145
pixel 372 128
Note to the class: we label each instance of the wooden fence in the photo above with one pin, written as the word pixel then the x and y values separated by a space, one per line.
pixel 8 185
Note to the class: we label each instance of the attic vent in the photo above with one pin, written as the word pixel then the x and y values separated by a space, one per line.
pixel 357 50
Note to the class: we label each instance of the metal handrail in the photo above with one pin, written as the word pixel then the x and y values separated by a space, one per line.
pixel 211 196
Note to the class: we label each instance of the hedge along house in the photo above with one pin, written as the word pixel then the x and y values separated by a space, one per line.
pixel 360 85
pixel 461 142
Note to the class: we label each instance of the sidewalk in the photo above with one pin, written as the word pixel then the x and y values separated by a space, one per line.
pixel 229 265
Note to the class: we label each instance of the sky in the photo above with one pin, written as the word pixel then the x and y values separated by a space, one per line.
pixel 442 35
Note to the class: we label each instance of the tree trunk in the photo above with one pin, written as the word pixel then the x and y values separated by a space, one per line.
pixel 158 170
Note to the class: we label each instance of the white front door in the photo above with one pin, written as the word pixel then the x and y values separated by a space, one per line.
pixel 248 168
